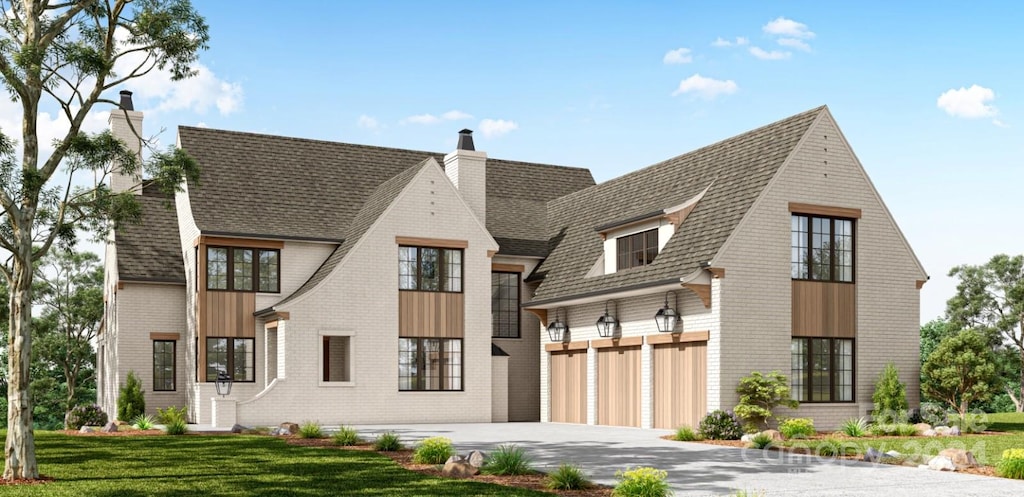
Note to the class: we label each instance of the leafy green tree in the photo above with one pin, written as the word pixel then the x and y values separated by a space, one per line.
pixel 890 396
pixel 69 56
pixel 932 333
pixel 130 400
pixel 990 298
pixel 760 394
pixel 961 371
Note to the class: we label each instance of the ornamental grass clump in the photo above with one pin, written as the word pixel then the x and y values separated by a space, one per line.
pixel 855 427
pixel 143 422
pixel 567 477
pixel 761 441
pixel 434 450
pixel 508 460
pixel 1012 464
pixel 642 482
pixel 686 434
pixel 387 442
pixel 311 429
pixel 176 427
pixel 797 428
pixel 346 436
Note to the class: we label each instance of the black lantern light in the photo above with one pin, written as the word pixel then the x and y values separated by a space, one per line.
pixel 607 324
pixel 558 331
pixel 667 318
pixel 223 384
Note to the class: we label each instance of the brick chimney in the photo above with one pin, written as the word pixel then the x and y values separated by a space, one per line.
pixel 126 124
pixel 467 169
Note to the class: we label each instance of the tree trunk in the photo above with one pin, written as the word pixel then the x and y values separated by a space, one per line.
pixel 1019 401
pixel 20 450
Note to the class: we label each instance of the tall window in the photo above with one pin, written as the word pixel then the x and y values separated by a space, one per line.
pixel 243 269
pixel 505 305
pixel 429 364
pixel 234 356
pixel 822 369
pixel 636 250
pixel 430 269
pixel 822 248
pixel 337 358
pixel 163 365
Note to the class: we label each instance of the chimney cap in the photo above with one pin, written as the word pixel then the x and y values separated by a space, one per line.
pixel 126 100
pixel 466 140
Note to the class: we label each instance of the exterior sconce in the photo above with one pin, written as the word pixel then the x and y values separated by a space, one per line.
pixel 558 331
pixel 223 384
pixel 667 318
pixel 607 324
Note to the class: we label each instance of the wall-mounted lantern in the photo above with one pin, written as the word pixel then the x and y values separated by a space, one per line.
pixel 558 330
pixel 223 384
pixel 607 324
pixel 667 318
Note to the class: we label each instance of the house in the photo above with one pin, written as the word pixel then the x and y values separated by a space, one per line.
pixel 355 284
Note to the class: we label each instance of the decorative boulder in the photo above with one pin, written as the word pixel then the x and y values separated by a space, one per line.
pixel 455 458
pixel 872 455
pixel 776 436
pixel 941 463
pixel 747 437
pixel 922 427
pixel 88 429
pixel 289 428
pixel 237 428
pixel 929 433
pixel 893 453
pixel 961 459
pixel 460 469
pixel 942 430
pixel 954 431
pixel 110 427
pixel 476 458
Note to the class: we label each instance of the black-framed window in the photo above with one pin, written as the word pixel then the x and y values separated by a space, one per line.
pixel 164 355
pixel 505 305
pixel 243 269
pixel 429 269
pixel 429 364
pixel 822 369
pixel 235 356
pixel 822 248
pixel 638 249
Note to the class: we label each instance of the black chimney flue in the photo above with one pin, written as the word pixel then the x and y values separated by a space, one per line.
pixel 466 140
pixel 126 100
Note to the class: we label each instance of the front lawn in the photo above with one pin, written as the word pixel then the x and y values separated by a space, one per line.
pixel 225 465
pixel 986 448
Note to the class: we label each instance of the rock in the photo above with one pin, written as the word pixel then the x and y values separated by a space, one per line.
pixel 455 458
pixel 893 453
pixel 476 458
pixel 942 430
pixel 747 437
pixel 960 458
pixel 461 469
pixel 289 428
pixel 941 463
pixel 922 427
pixel 954 431
pixel 88 429
pixel 872 455
pixel 237 428
pixel 110 427
pixel 776 436
pixel 922 466
pixel 929 433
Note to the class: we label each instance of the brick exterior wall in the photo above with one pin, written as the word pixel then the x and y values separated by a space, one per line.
pixel 524 355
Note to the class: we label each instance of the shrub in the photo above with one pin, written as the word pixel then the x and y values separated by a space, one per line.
pixel 686 434
pixel 855 427
pixel 961 371
pixel 1012 464
pixel 761 441
pixel 974 422
pixel 177 427
pixel 346 436
pixel 830 447
pixel 934 414
pixel 170 414
pixel 86 415
pixel 310 429
pixel 642 482
pixel 905 430
pixel 567 477
pixel 721 425
pixel 890 397
pixel 760 394
pixel 508 460
pixel 144 422
pixel 434 450
pixel 130 401
pixel 797 428
pixel 387 442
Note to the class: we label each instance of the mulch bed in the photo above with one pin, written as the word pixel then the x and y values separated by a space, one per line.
pixel 24 481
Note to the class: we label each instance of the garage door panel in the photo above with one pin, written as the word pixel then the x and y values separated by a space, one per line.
pixel 618 394
pixel 568 387
pixel 680 384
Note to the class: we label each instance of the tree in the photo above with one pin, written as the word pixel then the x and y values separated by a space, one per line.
pixel 890 396
pixel 760 394
pixel 69 56
pixel 932 333
pixel 72 297
pixel 960 371
pixel 990 297
pixel 130 400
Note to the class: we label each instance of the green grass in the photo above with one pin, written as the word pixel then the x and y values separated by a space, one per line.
pixel 225 465
pixel 986 448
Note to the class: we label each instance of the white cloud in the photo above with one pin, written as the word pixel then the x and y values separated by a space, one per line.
pixel 788 28
pixel 201 124
pixel 496 127
pixel 999 123
pixel 678 56
pixel 708 88
pixel 969 103
pixel 794 43
pixel 721 42
pixel 766 55
pixel 367 122
pixel 452 115
pixel 455 115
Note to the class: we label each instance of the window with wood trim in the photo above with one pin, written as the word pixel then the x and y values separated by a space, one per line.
pixel 429 269
pixel 242 269
pixel 337 358
pixel 234 356
pixel 822 248
pixel 638 249
pixel 429 364
pixel 164 365
pixel 822 369
pixel 505 305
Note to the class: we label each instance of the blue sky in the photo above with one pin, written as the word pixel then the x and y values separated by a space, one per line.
pixel 605 86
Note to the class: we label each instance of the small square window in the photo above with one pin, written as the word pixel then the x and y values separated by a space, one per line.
pixel 337 358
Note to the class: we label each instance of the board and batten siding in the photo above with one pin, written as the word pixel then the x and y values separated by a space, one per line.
pixel 431 314
pixel 824 309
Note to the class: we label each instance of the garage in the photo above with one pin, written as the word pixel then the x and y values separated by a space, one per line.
pixel 568 386
pixel 618 382
pixel 680 381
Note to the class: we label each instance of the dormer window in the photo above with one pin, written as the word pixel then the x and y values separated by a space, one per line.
pixel 638 249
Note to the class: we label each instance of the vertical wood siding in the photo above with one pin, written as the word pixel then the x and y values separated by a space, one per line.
pixel 431 314
pixel 618 386
pixel 680 384
pixel 824 309
pixel 568 388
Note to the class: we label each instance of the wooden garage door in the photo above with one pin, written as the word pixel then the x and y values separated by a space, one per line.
pixel 618 386
pixel 568 390
pixel 680 384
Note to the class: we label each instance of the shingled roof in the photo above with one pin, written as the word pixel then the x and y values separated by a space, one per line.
pixel 736 169
pixel 151 250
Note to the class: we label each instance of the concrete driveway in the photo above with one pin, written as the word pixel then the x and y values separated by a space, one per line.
pixel 701 469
